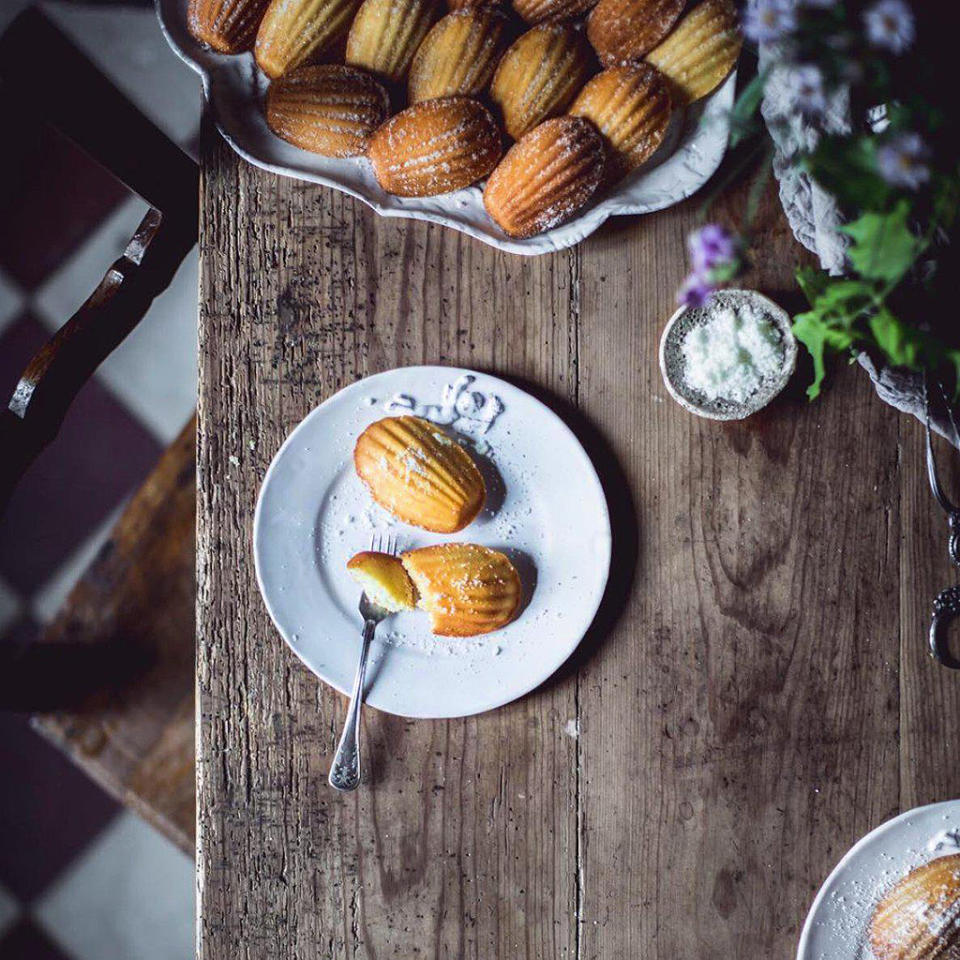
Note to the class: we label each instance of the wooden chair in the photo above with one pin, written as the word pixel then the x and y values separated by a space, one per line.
pixel 114 672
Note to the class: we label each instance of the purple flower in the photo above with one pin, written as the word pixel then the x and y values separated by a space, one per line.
pixel 694 291
pixel 711 246
pixel 890 25
pixel 901 161
pixel 765 21
pixel 806 88
pixel 820 4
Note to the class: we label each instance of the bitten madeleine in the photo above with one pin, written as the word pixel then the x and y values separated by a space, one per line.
pixel 536 11
pixel 699 55
pixel 467 589
pixel 385 35
pixel 630 106
pixel 435 147
pixel 295 31
pixel 458 55
pixel 330 110
pixel 539 76
pixel 229 26
pixel 624 30
pixel 546 176
pixel 418 474
pixel 919 919
pixel 384 580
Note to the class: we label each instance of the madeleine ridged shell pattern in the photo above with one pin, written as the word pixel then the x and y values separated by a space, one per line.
pixel 295 31
pixel 919 919
pixel 629 105
pixel 624 30
pixel 536 11
pixel 539 76
pixel 329 110
pixel 435 147
pixel 458 55
pixel 229 26
pixel 418 474
pixel 699 55
pixel 385 35
pixel 546 176
pixel 467 589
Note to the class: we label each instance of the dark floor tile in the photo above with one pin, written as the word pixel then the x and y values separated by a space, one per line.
pixel 100 456
pixel 52 196
pixel 49 810
pixel 26 941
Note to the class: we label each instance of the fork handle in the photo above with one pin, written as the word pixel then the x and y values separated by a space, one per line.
pixel 345 770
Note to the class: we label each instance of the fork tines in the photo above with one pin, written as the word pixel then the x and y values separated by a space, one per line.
pixel 381 544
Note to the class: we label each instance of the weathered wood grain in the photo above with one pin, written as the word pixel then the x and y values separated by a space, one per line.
pixel 741 718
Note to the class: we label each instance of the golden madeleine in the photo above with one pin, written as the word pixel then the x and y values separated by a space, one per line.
pixel 418 474
pixel 539 76
pixel 467 589
pixel 630 106
pixel 330 110
pixel 624 30
pixel 471 4
pixel 546 176
pixel 228 26
pixel 384 580
pixel 458 56
pixel 919 919
pixel 434 147
pixel 699 55
pixel 536 11
pixel 385 35
pixel 295 31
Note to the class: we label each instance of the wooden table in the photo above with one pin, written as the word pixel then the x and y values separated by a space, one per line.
pixel 756 696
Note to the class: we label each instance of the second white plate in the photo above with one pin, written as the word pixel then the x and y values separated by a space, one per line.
pixel 545 508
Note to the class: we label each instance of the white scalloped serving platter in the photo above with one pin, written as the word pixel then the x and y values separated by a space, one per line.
pixel 235 86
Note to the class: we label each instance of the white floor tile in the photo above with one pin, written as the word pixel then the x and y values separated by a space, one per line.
pixel 50 597
pixel 131 894
pixel 11 300
pixel 128 46
pixel 9 910
pixel 9 610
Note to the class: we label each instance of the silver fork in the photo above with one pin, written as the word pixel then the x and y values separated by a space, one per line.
pixel 345 770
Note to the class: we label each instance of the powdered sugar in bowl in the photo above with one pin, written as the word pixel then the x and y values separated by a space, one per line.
pixel 729 358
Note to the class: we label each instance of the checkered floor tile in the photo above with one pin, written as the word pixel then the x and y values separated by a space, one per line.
pixel 80 878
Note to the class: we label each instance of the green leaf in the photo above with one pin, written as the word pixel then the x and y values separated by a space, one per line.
pixel 743 115
pixel 902 344
pixel 847 168
pixel 820 338
pixel 812 282
pixel 883 247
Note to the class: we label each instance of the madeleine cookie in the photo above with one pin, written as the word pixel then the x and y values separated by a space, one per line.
pixel 535 11
pixel 295 31
pixel 386 33
pixel 458 56
pixel 624 30
pixel 546 176
pixel 330 110
pixel 699 55
pixel 467 589
pixel 629 105
pixel 539 76
pixel 434 147
pixel 228 26
pixel 418 474
pixel 919 919
pixel 384 580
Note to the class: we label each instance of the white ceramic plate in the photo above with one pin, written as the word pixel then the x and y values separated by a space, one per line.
pixel 545 508
pixel 234 86
pixel 838 921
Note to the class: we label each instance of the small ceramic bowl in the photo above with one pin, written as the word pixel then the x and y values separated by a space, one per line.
pixel 672 363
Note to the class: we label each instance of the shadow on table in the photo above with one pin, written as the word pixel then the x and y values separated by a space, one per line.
pixel 623 525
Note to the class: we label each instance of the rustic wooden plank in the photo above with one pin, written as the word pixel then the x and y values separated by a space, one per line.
pixel 739 730
pixel 464 842
pixel 133 610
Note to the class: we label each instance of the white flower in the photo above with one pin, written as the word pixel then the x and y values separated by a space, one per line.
pixel 901 161
pixel 806 89
pixel 765 21
pixel 890 25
